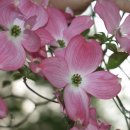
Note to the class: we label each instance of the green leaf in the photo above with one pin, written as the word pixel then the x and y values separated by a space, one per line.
pixel 86 32
pixel 6 83
pixel 111 47
pixel 100 36
pixel 26 72
pixel 99 68
pixel 16 76
pixel 116 59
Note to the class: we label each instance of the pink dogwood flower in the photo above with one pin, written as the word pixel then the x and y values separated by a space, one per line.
pixel 75 74
pixel 15 38
pixel 58 33
pixel 34 8
pixel 3 109
pixel 112 18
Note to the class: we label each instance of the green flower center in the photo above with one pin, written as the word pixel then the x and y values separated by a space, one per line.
pixel 15 31
pixel 61 43
pixel 76 79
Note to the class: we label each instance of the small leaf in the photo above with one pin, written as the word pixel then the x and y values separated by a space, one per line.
pixel 6 83
pixel 17 76
pixel 99 68
pixel 111 47
pixel 116 59
pixel 100 36
pixel 86 32
pixel 26 72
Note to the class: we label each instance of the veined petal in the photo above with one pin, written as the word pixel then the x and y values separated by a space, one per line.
pixel 31 41
pixel 125 27
pixel 102 84
pixel 30 22
pixel 56 23
pixel 12 55
pixel 109 15
pixel 29 9
pixel 76 104
pixel 78 25
pixel 8 14
pixel 3 109
pixel 83 56
pixel 45 36
pixel 56 71
pixel 124 42
pixel 42 18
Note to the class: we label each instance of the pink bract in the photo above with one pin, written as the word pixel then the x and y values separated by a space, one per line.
pixel 75 73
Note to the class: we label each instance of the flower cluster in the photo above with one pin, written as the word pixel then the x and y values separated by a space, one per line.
pixel 112 22
pixel 50 42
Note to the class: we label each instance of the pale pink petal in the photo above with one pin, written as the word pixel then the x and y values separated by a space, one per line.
pixel 110 14
pixel 76 104
pixel 42 18
pixel 56 71
pixel 56 23
pixel 125 27
pixel 83 56
pixel 31 41
pixel 60 52
pixel 29 9
pixel 30 22
pixel 68 13
pixel 35 68
pixel 102 84
pixel 68 10
pixel 8 14
pixel 124 42
pixel 78 25
pixel 3 109
pixel 45 36
pixel 12 55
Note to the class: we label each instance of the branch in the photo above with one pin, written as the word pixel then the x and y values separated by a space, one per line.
pixel 25 82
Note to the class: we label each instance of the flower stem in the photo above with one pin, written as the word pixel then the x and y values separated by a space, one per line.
pixel 25 82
